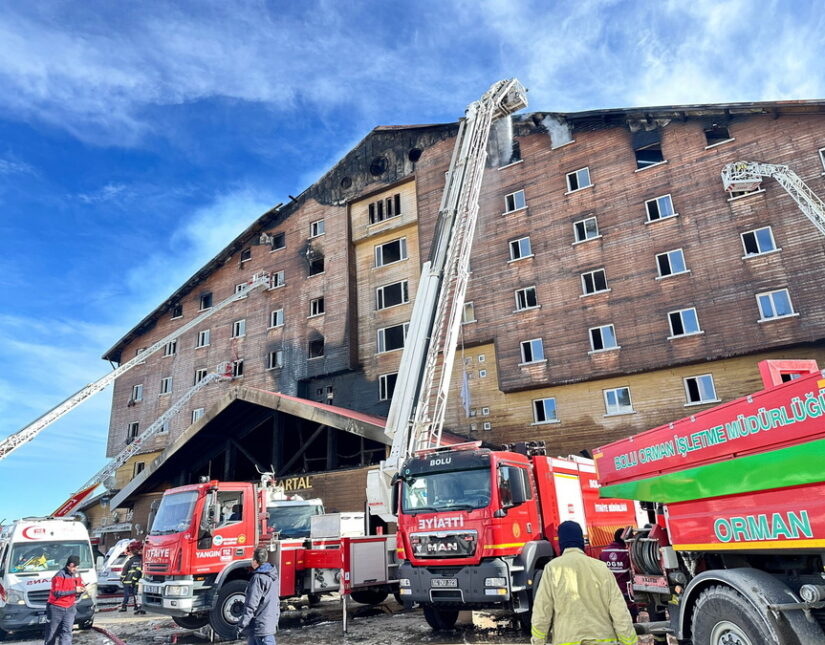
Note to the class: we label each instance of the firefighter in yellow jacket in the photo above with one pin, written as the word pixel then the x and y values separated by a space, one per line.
pixel 578 601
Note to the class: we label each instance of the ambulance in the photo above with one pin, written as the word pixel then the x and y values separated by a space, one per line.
pixel 32 551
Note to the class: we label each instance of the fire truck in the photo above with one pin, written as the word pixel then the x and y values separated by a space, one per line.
pixel 196 558
pixel 735 549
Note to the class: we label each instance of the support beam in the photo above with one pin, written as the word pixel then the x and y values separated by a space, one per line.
pixel 301 452
pixel 238 447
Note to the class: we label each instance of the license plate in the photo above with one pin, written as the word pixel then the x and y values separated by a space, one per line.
pixel 43 619
pixel 153 589
pixel 444 582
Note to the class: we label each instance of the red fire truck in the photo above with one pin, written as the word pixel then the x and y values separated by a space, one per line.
pixel 735 549
pixel 476 526
pixel 196 560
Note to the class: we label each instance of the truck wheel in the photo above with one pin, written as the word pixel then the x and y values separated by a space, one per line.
pixel 723 617
pixel 440 619
pixel 314 599
pixel 369 596
pixel 226 613
pixel 193 621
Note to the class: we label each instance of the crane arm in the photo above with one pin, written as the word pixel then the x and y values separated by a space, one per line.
pixel 21 437
pixel 747 175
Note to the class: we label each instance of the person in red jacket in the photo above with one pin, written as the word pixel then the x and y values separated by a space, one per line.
pixel 66 587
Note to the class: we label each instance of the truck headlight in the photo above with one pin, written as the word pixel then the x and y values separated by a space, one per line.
pixel 16 597
pixel 404 582
pixel 177 590
pixel 495 582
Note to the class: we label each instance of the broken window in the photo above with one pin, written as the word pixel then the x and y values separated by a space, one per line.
pixel 392 338
pixel 716 133
pixel 390 252
pixel 132 431
pixel 316 306
pixel 659 208
pixel 237 368
pixel 239 328
pixel 166 385
pixel 585 229
pixel 578 179
pixel 603 338
pixel 276 318
pixel 316 348
pixel 278 241
pixel 700 389
pixel 391 295
pixel 544 410
pixel 532 351
pixel 139 465
pixel 520 248
pixel 200 374
pixel 137 393
pixel 469 313
pixel 246 255
pixel 177 311
pixel 514 201
pixel 758 241
pixel 386 386
pixel 526 298
pixel 647 146
pixel 275 360
pixel 684 322
pixel 316 264
pixel 206 301
pixel 203 338
pixel 671 263
pixel 316 228
pixel 276 279
pixel 385 208
pixel 594 282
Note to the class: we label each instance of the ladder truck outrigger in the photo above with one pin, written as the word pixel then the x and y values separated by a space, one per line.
pixel 475 526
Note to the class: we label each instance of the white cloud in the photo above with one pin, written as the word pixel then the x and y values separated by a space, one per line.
pixel 14 167
pixel 111 192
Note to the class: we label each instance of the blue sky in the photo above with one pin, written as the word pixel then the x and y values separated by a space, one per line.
pixel 136 139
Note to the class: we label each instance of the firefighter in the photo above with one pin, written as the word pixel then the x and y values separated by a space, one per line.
pixel 617 559
pixel 130 576
pixel 578 601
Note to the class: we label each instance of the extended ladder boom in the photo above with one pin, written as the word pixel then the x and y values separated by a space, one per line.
pixel 14 441
pixel 747 175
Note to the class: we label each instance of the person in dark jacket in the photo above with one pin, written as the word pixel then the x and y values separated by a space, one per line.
pixel 617 559
pixel 130 576
pixel 66 587
pixel 262 607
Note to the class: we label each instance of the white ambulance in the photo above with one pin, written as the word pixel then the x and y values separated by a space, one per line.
pixel 32 551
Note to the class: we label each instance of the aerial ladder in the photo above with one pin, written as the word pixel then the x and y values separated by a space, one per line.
pixel 222 373
pixel 748 175
pixel 14 441
pixel 416 415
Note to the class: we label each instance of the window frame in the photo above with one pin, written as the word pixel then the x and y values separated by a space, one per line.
pixel 529 343
pixel 239 328
pixel 200 374
pixel 719 142
pixel 238 288
pixel 137 393
pixel 170 348
pixel 525 291
pixel 378 249
pixel 618 411
pixel 593 349
pixel 317 228
pixel 131 436
pixel 274 316
pixel 546 420
pixel 313 267
pixel 203 299
pixel 166 384
pixel 754 232
pixel 197 413
pixel 585 292
pixel 246 254
pixel 659 218
pixel 385 389
pixel 575 173
pixel 673 335
pixel 771 293
pixel 277 279
pixel 316 307
pixel 700 401
pixel 472 308
pixel 177 311
pixel 516 208
pixel 237 368
pixel 822 159
pixel 381 339
pixel 515 244
pixel 583 222
pixel 380 292
pixel 314 342
pixel 661 275
pixel 203 334
pixel 275 238
pixel 278 355
pixel 384 209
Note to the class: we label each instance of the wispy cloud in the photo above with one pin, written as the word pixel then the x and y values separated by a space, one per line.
pixel 14 167
pixel 110 193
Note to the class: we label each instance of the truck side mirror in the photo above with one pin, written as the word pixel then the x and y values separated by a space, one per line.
pixel 517 484
pixel 209 518
pixel 394 497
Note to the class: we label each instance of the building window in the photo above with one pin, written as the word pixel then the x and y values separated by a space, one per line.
pixel 276 318
pixel 594 282
pixel 482 373
pixel 166 385
pixel 585 229
pixel 578 179
pixel 468 315
pixel 138 352
pixel 758 241
pixel 385 208
pixel 203 338
pixel 617 401
pixel 526 299
pixel 684 322
pixel 390 252
pixel 532 351
pixel 240 287
pixel 278 241
pixel 316 228
pixel 716 134
pixel 391 295
pixel 671 263
pixel 138 468
pixel 246 255
pixel 237 368
pixel 514 201
pixel 239 329
pixel 544 411
pixel 647 147
pixel 197 413
pixel 206 301
pixel 392 338
pixel 200 374
pixel 735 194
pixel 170 348
pixel 275 360
pixel 316 348
pixel 659 208
pixel 700 389
pixel 520 248
pixel 482 358
pixel 316 306
pixel 775 304
pixel 132 431
pixel 177 311
pixel 603 338
pixel 386 386
pixel 137 393
pixel 276 279
pixel 316 264
pixel 164 427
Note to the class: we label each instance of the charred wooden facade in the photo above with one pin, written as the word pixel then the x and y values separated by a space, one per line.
pixel 615 285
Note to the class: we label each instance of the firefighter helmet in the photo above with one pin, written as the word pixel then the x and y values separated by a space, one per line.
pixel 135 546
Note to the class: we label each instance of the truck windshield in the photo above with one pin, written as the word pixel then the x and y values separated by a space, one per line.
pixel 446 491
pixel 48 556
pixel 291 521
pixel 175 513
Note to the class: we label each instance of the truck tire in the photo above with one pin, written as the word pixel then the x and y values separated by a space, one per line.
pixel 226 613
pixel 723 617
pixel 525 619
pixel 193 621
pixel 370 596
pixel 440 619
pixel 314 599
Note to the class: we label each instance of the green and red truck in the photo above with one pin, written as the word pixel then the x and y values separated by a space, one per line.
pixel 734 553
